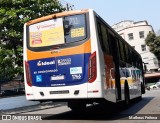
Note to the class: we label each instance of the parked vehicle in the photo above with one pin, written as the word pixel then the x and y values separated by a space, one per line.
pixel 1 94
pixel 156 85
pixel 18 91
pixel 9 93
pixel 147 87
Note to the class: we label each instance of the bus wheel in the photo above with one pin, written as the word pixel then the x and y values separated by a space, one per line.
pixel 77 106
pixel 127 97
pixel 143 88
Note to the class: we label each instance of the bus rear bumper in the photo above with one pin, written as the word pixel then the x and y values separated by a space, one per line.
pixel 64 93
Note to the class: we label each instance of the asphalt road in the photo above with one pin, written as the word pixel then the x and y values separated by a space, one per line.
pixel 143 111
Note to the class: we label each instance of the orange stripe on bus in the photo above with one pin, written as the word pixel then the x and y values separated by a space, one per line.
pixel 81 49
pixel 52 16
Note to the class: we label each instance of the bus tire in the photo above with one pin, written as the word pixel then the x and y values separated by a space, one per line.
pixel 142 88
pixel 77 106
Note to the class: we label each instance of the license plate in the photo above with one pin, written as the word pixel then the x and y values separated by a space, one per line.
pixel 57 77
pixel 60 92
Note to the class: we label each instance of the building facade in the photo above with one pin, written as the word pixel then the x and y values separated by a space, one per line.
pixel 135 33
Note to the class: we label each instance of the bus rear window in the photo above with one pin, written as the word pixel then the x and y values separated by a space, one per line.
pixel 57 31
pixel 74 28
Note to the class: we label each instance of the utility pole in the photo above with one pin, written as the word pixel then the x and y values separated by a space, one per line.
pixel 67 7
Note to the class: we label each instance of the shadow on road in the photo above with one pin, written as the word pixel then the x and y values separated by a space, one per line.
pixel 107 111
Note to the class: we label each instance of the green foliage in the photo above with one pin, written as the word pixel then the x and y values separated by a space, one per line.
pixel 153 42
pixel 7 69
pixel 13 15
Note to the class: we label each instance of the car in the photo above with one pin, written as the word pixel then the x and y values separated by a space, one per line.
pixel 9 93
pixel 1 93
pixel 156 85
pixel 20 91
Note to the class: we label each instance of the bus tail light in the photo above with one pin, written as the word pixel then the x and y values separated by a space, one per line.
pixel 92 70
pixel 28 74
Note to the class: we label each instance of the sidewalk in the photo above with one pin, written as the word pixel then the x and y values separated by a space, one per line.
pixel 15 102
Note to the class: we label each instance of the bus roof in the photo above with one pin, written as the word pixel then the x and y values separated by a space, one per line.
pixel 55 15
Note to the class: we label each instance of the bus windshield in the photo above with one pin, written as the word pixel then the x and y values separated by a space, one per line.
pixel 57 31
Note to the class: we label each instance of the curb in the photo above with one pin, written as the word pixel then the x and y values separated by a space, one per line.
pixel 33 108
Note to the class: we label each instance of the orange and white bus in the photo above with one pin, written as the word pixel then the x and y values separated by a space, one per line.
pixel 77 57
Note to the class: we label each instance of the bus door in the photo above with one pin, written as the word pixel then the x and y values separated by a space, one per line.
pixel 115 53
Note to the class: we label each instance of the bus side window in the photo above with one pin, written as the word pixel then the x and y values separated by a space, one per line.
pixel 105 39
pixel 100 36
pixel 127 54
pixel 130 55
pixel 122 50
pixel 127 73
pixel 121 71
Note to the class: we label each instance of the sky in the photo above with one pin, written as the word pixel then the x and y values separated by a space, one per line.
pixel 114 11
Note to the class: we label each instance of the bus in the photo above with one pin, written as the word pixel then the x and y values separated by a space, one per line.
pixel 76 57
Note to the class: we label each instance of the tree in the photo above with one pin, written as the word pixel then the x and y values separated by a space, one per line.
pixel 13 15
pixel 158 32
pixel 7 65
pixel 153 42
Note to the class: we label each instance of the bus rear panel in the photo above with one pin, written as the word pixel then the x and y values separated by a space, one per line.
pixel 59 61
